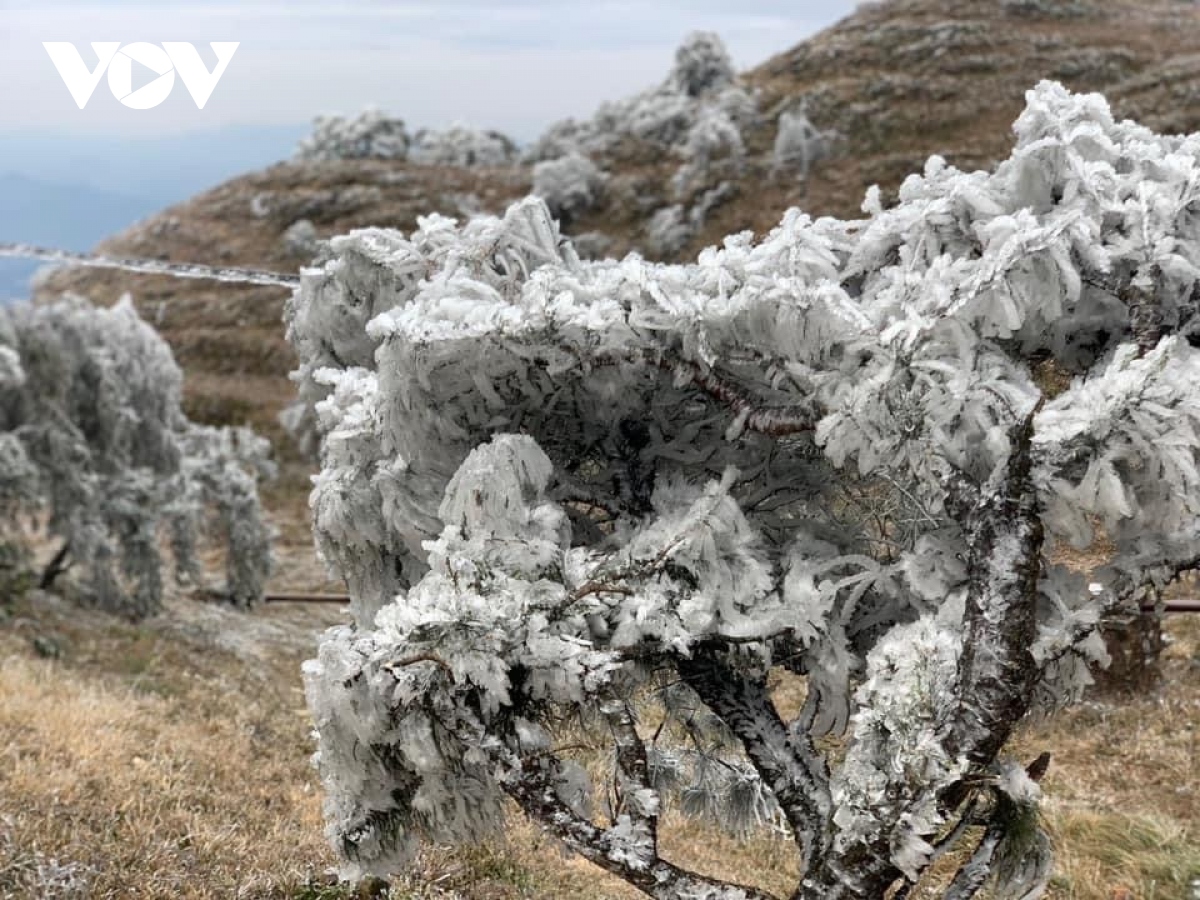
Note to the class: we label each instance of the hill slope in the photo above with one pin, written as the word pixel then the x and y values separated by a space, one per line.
pixel 885 88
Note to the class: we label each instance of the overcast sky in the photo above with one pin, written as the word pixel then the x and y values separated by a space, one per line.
pixel 511 65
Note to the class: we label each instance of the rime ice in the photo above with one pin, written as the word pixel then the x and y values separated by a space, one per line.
pixel 548 482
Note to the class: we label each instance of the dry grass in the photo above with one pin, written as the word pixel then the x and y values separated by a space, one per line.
pixel 170 759
pixel 153 759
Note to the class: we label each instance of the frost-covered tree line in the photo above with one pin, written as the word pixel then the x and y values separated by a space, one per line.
pixel 702 116
pixel 622 499
pixel 372 134
pixel 698 116
pixel 95 449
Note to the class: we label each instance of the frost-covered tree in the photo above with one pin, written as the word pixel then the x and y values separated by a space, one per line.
pixel 699 115
pixel 798 143
pixel 372 134
pixel 714 146
pixel 702 65
pixel 569 185
pixel 94 443
pixel 698 103
pixel 462 146
pixel 632 496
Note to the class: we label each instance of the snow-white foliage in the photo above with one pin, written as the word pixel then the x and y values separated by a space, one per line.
pixel 668 230
pixel 896 765
pixel 300 239
pixel 93 438
pixel 463 146
pixel 699 115
pixel 702 65
pixel 371 134
pixel 701 86
pixel 715 139
pixel 569 185
pixel 798 143
pixel 553 484
pixel 374 135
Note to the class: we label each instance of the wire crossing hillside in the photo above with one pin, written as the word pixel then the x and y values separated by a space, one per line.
pixel 150 266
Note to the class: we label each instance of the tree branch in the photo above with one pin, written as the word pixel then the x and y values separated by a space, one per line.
pixel 786 763
pixel 996 670
pixel 632 768
pixel 778 421
pixel 775 421
pixel 57 565
pixel 532 785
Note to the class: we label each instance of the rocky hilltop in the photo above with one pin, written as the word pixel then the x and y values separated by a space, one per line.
pixel 707 153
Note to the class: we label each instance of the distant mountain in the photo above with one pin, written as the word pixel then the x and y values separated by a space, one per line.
pixel 175 166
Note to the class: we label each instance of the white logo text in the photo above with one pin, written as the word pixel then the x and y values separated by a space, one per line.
pixel 118 60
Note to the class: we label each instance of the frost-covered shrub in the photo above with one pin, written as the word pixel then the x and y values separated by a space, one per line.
pixel 560 139
pixel 374 135
pixel 714 141
pixel 702 65
pixel 569 185
pixel 462 146
pixel 300 239
pixel 370 135
pixel 93 441
pixel 798 143
pixel 667 115
pixel 668 230
pixel 700 93
pixel 699 115
pixel 633 493
pixel 370 272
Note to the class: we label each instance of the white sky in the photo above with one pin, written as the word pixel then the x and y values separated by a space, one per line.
pixel 511 65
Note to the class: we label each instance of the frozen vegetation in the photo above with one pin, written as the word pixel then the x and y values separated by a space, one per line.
pixel 370 135
pixel 628 493
pixel 93 443
pixel 698 116
pixel 569 185
pixel 374 135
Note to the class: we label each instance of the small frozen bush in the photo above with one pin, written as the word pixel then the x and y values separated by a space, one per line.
pixel 94 442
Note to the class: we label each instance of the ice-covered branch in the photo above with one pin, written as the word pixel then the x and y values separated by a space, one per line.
pixel 786 761
pixel 622 849
pixel 996 671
